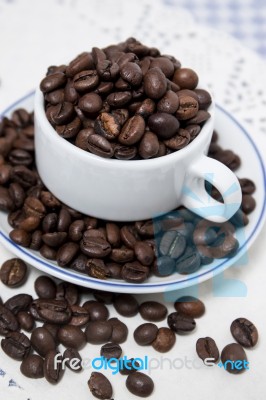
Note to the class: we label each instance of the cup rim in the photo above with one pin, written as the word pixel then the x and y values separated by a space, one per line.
pixel 49 131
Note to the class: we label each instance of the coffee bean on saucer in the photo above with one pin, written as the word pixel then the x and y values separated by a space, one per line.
pixel 163 266
pixel 180 323
pixel 16 345
pixel 140 384
pixel 13 272
pixel 248 203
pixel 247 186
pixel 126 305
pixel 232 355
pixel 190 306
pixel 32 367
pixel 100 386
pixel 164 341
pixel 135 272
pixel 172 244
pixel 244 332
pixel 153 311
pixel 207 348
pixel 145 334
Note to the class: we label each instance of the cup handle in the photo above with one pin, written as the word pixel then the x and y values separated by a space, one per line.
pixel 196 198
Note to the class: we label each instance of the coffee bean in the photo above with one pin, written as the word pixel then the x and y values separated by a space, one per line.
pixel 82 62
pixel 80 316
pixel 32 367
pixel 163 124
pixel 178 141
pixel 131 73
pixel 86 80
pixel 97 311
pixel 247 186
pixel 140 384
pixel 107 125
pixel 54 311
pixel 149 145
pixel 25 321
pixel 204 98
pixel 119 99
pixel 111 350
pixel 190 261
pixel 16 345
pixel 172 244
pixel 6 201
pixel 42 341
pixel 100 146
pixel 163 266
pixel 5 173
pixel 248 203
pixel 72 336
pixel 98 332
pixel 132 131
pixel 244 332
pixel 165 65
pixel 119 332
pixel 45 287
pixel 189 306
pixel 96 268
pixel 165 340
pixel 60 114
pixel 17 194
pixel 66 253
pixel 13 272
pixel 126 305
pixel 8 321
pixel 22 175
pixel 55 97
pixel 186 78
pixel 53 82
pixel 69 130
pixel 53 371
pixel 53 329
pixel 67 292
pixel 180 323
pixel 207 348
pixel 135 272
pixel 155 84
pixel 153 311
pixel 169 103
pixel 232 355
pixel 188 108
pixel 19 302
pixel 100 386
pixel 72 359
pixel 145 334
pixel 90 103
pixel 129 366
pixel 129 236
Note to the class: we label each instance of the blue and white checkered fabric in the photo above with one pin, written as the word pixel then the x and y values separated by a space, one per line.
pixel 244 19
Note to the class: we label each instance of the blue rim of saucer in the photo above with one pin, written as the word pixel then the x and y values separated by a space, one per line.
pixel 165 285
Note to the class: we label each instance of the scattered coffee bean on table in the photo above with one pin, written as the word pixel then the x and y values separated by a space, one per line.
pixel 100 386
pixel 207 348
pixel 190 306
pixel 232 355
pixel 145 334
pixel 13 272
pixel 119 102
pixel 140 384
pixel 180 323
pixel 244 332
pixel 164 340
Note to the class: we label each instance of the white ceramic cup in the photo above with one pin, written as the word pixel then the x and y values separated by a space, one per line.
pixel 134 190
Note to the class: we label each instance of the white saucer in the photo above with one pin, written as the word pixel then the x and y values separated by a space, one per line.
pixel 232 135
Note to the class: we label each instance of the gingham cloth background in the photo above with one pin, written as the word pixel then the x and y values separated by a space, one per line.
pixel 244 19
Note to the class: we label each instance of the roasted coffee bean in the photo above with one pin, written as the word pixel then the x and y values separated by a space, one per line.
pixel 169 103
pixel 53 82
pixel 82 62
pixel 111 350
pixel 16 345
pixel 149 145
pixel 61 114
pixel 17 194
pixel 53 329
pixel 97 311
pixel 100 146
pixel 34 207
pixel 145 334
pixel 100 386
pixel 72 359
pixel 107 125
pixel 42 341
pixel 49 222
pixel 178 141
pixel 32 367
pixel 190 261
pixel 248 203
pixel 126 305
pixel 188 108
pixel 96 268
pixel 180 323
pixel 190 306
pixel 6 201
pixel 70 130
pixel 132 131
pixel 200 118
pixel 22 175
pixel 131 73
pixel 135 272
pixel 19 302
pixel 240 219
pixel 234 358
pixel 54 311
pixel 98 332
pixel 163 124
pixel 193 131
pixel 103 296
pixel 5 173
pixel 113 234
pixel 155 84
pixel 45 287
pixel 153 311
pixel 8 321
pixel 165 65
pixel 48 252
pixel 90 103
pixel 114 270
pixel 64 220
pixel 186 78
pixel 53 371
pixel 54 239
pixel 163 266
pixel 165 340
pixel 204 98
pixel 119 332
pixel 207 348
pixel 144 253
pixel 172 244
pixel 85 81
pixel 244 332
pixel 20 157
pixel 71 336
pixel 129 366
pixel 13 272
pixel 69 292
pixel 247 186
pixel 122 255
pixel 80 316
pixel 66 253
pixel 140 384
pixel 25 320
pixel 55 97
pixel 119 99
pixel 129 236
pixel 146 108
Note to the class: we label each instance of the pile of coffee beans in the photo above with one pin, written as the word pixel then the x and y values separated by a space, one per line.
pixel 246 335
pixel 126 101
pixel 179 242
